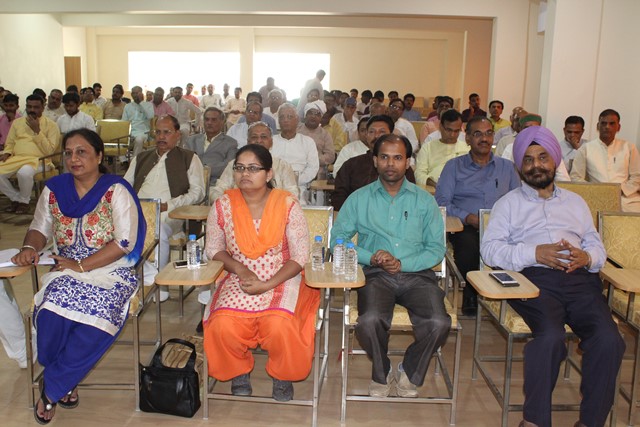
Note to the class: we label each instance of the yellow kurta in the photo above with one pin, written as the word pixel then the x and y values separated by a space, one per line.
pixel 93 110
pixel 337 133
pixel 432 157
pixel 26 147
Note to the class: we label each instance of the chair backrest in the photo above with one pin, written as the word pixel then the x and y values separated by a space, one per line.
pixel 206 172
pixel 113 131
pixel 599 196
pixel 484 222
pixel 151 213
pixel 319 222
pixel 417 126
pixel 620 233
pixel 441 269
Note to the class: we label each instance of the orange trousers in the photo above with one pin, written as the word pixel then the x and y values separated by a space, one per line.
pixel 228 341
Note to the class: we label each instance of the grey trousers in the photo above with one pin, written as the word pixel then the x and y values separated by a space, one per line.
pixel 420 294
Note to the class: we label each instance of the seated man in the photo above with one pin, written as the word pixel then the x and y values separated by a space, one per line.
pixel 360 170
pixel 184 110
pixel 573 131
pixel 610 159
pixel 139 113
pixel 234 107
pixel 409 113
pixel 54 109
pixel 401 125
pixel 400 231
pixel 495 110
pixel 353 149
pixel 113 109
pixel 474 108
pixel 324 143
pixel 467 184
pixel 30 137
pixel 88 107
pixel 271 121
pixel 73 118
pixel 432 125
pixel 10 104
pixel 162 172
pixel 434 154
pixel 348 120
pixel 274 101
pixel 252 114
pixel 547 234
pixel 214 148
pixel 283 175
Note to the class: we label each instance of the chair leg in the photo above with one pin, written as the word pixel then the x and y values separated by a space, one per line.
pixel 345 355
pixel 507 381
pixel 476 345
pixel 28 321
pixel 456 377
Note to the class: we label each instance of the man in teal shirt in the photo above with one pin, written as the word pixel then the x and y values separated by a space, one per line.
pixel 400 238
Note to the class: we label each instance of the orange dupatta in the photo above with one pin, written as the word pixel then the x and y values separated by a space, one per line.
pixel 272 226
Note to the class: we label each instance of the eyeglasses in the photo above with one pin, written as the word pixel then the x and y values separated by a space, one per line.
pixel 395 107
pixel 477 134
pixel 254 112
pixel 80 152
pixel 251 169
pixel 164 132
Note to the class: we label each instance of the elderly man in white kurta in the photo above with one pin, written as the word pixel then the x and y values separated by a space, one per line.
pixel 184 109
pixel 296 149
pixel 609 159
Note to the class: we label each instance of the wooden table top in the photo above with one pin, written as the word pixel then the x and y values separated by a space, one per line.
pixel 490 288
pixel 453 225
pixel 8 272
pixel 625 279
pixel 326 278
pixel 193 212
pixel 321 184
pixel 203 276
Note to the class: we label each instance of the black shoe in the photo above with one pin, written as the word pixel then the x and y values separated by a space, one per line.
pixel 241 385
pixel 282 390
pixel 12 207
pixel 199 328
pixel 470 305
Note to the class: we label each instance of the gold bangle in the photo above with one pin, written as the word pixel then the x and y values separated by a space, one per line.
pixel 27 247
pixel 80 265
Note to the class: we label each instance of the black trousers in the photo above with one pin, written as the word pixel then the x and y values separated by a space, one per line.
pixel 423 299
pixel 575 299
pixel 466 252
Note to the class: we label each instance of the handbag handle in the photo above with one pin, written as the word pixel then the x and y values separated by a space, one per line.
pixel 191 363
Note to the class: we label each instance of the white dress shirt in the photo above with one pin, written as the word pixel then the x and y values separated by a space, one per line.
pixel 301 153
pixel 79 120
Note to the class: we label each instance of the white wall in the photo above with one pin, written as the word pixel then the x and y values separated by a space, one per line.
pixel 31 54
pixel 74 41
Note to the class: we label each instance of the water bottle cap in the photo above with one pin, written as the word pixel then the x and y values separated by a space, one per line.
pixel 192 237
pixel 318 238
pixel 339 241
pixel 350 245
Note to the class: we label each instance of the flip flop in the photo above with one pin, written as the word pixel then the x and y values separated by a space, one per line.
pixel 48 406
pixel 70 404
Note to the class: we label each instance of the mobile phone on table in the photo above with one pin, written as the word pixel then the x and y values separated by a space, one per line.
pixel 505 279
pixel 183 263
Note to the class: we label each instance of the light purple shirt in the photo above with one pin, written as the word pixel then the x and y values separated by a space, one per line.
pixel 521 220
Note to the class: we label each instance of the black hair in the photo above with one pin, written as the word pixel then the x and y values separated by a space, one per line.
pixel 450 116
pixel 256 94
pixel 11 97
pixel 473 95
pixel 95 85
pixel 390 137
pixel 379 95
pixel 498 102
pixel 368 93
pixel 34 97
pixel 572 120
pixel 71 97
pixel 609 112
pixel 381 118
pixel 473 120
pixel 72 88
pixel 93 139
pixel 409 96
pixel 263 155
pixel 42 93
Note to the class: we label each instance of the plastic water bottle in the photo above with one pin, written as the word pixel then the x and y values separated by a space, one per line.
pixel 338 257
pixel 351 263
pixel 317 254
pixel 193 253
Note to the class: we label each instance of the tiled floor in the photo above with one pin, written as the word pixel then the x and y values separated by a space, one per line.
pixel 476 405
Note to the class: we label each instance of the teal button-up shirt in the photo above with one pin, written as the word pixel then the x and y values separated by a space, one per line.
pixel 409 225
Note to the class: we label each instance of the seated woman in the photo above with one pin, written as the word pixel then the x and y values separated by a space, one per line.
pixel 97 228
pixel 261 236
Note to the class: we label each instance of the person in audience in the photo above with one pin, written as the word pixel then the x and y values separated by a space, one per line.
pixel 474 108
pixel 360 170
pixel 88 107
pixel 214 148
pixel 234 106
pixel 398 250
pixel 434 154
pixel 348 120
pixel 148 96
pixel 253 113
pixel 378 97
pixel 184 110
pixel 54 109
pixel 330 123
pixel 189 96
pixel 362 106
pixel 433 122
pixel 547 234
pixel 353 149
pixel 114 108
pixel 467 184
pixel 518 118
pixel 610 159
pixel 99 99
pixel 10 106
pixel 211 99
pixel 311 85
pixel 283 176
pixel 509 130
pixel 73 118
pixel 263 299
pixel 225 94
pixel 266 90
pixel 324 143
pixel 74 88
pixel 296 149
pixel 409 113
pixel 573 131
pixel 402 126
pixel 392 95
pixel 160 106
pixel 434 107
pixel 170 173
pixel 495 110
pixel 275 100
pixel 139 113
pixel 256 97
pixel 96 224
pixel 353 93
pixel 30 137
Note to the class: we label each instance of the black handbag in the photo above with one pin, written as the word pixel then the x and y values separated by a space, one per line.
pixel 173 391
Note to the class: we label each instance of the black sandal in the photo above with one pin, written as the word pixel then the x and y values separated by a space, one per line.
pixel 70 404
pixel 48 406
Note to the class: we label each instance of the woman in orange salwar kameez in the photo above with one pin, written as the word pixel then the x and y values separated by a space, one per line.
pixel 261 236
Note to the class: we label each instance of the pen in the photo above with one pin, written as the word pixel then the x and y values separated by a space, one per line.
pixel 406 215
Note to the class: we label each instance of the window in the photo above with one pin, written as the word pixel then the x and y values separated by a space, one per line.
pixel 290 70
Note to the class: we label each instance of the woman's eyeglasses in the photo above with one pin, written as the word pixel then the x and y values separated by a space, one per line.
pixel 251 169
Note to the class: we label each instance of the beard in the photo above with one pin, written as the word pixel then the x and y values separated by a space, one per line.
pixel 541 182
